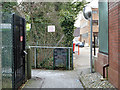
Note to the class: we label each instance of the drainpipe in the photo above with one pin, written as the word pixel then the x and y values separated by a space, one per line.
pixel 105 66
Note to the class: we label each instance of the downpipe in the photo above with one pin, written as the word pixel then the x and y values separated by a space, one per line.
pixel 105 66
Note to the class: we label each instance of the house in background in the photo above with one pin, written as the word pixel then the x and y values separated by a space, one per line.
pixel 85 27
pixel 76 34
pixel 109 42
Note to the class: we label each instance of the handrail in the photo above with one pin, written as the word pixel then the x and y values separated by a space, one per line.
pixel 47 47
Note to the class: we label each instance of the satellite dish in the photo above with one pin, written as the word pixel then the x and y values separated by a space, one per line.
pixel 87 12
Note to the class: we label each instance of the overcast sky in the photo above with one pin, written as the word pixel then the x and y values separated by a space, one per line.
pixel 93 4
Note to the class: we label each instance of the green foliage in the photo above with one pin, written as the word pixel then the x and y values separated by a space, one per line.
pixel 40 15
pixel 8 6
pixel 68 15
pixel 60 14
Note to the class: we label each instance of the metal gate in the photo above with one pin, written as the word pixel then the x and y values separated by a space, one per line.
pixel 18 50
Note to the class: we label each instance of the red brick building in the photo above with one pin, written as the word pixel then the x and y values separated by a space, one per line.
pixel 109 49
pixel 85 27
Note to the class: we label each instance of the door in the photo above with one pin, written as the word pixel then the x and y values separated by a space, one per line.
pixel 18 50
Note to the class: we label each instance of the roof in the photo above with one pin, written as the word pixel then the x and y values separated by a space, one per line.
pixel 76 32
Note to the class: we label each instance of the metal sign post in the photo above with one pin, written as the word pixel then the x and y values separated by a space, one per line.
pixel 87 12
pixel 91 62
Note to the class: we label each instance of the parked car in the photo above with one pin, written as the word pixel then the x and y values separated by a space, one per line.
pixel 81 44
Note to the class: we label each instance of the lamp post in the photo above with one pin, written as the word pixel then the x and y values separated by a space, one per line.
pixel 87 12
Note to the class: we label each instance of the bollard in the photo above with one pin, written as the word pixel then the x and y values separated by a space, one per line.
pixel 78 49
pixel 73 47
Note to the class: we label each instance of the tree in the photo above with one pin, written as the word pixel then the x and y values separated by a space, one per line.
pixel 8 6
pixel 40 15
pixel 68 16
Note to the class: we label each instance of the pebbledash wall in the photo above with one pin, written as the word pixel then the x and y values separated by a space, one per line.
pixel 112 57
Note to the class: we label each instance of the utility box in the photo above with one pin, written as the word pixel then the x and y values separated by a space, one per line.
pixel 13 48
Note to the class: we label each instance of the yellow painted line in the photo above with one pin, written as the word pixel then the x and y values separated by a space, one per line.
pixel 24 84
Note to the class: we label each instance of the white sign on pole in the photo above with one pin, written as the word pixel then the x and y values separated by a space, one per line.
pixel 51 28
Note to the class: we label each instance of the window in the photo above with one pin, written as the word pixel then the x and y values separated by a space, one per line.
pixel 95 12
pixel 95 22
pixel 85 35
pixel 103 27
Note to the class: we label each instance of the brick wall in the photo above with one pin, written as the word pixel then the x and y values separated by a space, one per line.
pixel 100 62
pixel 114 46
pixel 119 45
pixel 95 16
pixel 114 43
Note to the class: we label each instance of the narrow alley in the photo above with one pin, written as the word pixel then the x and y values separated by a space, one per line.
pixel 59 44
pixel 80 77
pixel 61 78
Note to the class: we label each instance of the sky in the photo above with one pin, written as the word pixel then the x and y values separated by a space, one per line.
pixel 93 4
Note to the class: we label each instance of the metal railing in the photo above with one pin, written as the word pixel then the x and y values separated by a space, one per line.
pixel 45 55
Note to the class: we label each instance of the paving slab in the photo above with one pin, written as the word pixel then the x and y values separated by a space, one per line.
pixel 53 79
pixel 78 78
pixel 62 78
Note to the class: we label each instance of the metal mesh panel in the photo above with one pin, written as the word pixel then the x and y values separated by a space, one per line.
pixel 44 58
pixel 103 27
pixel 7 50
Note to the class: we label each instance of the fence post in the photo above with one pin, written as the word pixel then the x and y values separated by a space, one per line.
pixel 29 63
pixel 69 58
pixel 72 55
pixel 35 57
